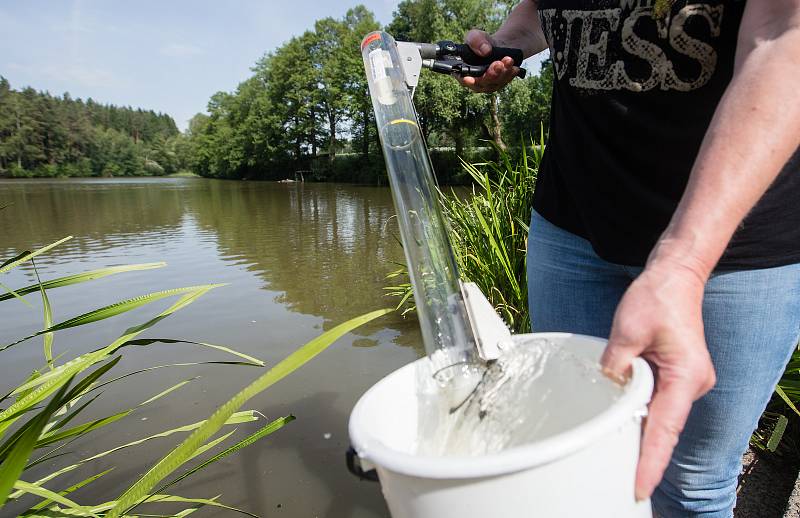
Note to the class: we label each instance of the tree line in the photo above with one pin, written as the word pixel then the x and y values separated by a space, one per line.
pixel 307 106
pixel 305 110
pixel 45 135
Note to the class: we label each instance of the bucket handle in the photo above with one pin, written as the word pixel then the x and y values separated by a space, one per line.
pixel 354 466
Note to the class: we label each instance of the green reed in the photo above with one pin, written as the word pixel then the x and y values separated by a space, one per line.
pixel 38 417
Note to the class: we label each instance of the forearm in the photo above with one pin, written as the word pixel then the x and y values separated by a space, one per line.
pixel 522 30
pixel 754 131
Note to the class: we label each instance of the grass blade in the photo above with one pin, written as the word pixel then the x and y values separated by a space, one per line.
pixel 26 256
pixel 33 489
pixel 150 341
pixel 48 319
pixel 247 441
pixel 51 381
pixel 237 418
pixel 112 310
pixel 777 433
pixel 11 293
pixel 56 436
pixel 70 489
pixel 18 457
pixel 83 277
pixel 786 399
pixel 182 452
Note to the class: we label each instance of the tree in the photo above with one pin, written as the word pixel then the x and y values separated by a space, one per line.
pixel 525 105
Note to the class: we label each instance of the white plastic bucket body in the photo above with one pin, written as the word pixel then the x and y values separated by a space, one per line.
pixel 588 470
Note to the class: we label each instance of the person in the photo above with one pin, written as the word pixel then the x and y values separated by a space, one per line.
pixel 667 213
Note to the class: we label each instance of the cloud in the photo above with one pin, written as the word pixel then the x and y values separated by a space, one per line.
pixel 179 50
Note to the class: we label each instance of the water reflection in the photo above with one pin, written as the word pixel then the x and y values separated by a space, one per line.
pixel 298 258
pixel 326 249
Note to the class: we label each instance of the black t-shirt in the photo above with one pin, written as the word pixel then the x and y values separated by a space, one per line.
pixel 633 95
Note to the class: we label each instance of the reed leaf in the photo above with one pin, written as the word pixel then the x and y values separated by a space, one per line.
pixel 22 447
pixel 150 341
pixel 11 293
pixel 53 380
pixel 48 319
pixel 237 418
pixel 111 310
pixel 71 489
pixel 83 277
pixel 786 399
pixel 80 430
pixel 182 452
pixel 26 256
pixel 274 426
pixel 25 487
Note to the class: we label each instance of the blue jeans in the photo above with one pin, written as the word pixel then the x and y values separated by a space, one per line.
pixel 752 324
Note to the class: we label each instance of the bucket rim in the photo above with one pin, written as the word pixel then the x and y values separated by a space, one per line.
pixel 631 405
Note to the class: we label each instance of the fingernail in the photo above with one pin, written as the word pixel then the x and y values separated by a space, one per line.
pixel 616 377
pixel 485 48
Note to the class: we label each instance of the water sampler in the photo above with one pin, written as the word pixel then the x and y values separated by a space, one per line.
pixel 487 424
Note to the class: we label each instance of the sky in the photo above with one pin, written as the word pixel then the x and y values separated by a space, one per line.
pixel 167 55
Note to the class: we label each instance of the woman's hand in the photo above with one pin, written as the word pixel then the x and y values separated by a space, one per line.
pixel 499 73
pixel 660 319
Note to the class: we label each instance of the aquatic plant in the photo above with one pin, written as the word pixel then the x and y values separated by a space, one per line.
pixel 38 416
pixel 489 231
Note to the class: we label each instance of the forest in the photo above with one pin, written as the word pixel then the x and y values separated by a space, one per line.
pixel 45 135
pixel 305 110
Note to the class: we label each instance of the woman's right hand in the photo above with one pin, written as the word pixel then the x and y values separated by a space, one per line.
pixel 499 73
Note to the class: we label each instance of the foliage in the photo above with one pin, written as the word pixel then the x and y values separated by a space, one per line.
pixel 307 105
pixel 43 135
pixel 488 231
pixel 779 426
pixel 37 421
pixel 304 100
pixel 525 104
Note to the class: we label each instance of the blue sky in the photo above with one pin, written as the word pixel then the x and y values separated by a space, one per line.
pixel 168 55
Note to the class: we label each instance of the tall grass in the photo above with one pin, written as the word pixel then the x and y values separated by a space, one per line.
pixel 39 416
pixel 489 232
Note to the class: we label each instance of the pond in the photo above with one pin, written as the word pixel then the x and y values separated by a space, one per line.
pixel 297 259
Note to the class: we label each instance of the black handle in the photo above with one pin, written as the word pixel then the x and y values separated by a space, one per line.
pixel 354 467
pixel 465 52
pixel 496 54
pixel 479 70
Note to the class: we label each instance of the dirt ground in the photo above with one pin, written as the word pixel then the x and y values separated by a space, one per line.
pixel 768 488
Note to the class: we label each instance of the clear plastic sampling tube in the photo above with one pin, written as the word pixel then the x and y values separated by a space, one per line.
pixel 431 265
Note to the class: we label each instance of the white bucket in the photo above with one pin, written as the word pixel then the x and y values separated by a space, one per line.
pixel 585 471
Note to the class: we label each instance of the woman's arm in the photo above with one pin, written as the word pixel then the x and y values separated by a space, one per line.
pixel 754 131
pixel 522 29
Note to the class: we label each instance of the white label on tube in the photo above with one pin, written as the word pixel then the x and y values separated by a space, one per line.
pixel 377 64
pixel 379 60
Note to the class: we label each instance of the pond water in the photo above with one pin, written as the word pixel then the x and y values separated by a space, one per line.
pixel 298 259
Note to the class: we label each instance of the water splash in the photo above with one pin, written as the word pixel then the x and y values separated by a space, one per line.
pixel 535 390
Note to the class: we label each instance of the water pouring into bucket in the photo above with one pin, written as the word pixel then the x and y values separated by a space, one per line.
pixel 487 424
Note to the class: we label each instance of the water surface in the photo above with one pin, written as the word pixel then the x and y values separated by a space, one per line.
pixel 298 259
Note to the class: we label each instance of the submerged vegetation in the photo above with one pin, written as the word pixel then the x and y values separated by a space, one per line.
pixel 38 417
